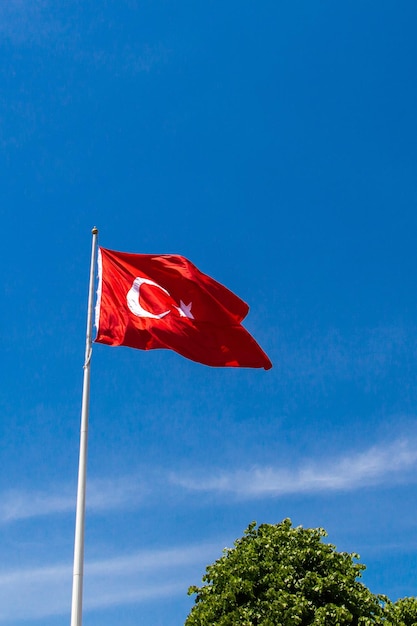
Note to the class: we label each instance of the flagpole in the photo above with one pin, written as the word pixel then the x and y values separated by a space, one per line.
pixel 77 582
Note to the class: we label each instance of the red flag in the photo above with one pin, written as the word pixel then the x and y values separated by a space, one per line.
pixel 151 301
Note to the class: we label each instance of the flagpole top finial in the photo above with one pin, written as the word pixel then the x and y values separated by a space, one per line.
pixel 95 230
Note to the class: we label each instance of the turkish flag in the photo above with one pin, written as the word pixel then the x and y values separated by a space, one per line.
pixel 151 301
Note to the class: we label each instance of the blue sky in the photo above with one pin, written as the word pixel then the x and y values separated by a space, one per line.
pixel 274 145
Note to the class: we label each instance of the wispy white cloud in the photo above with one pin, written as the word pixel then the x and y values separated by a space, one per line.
pixel 126 492
pixel 378 465
pixel 382 464
pixel 40 592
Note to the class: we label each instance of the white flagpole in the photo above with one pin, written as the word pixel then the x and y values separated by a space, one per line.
pixel 77 582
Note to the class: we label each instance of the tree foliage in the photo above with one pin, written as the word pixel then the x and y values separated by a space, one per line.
pixel 401 613
pixel 279 575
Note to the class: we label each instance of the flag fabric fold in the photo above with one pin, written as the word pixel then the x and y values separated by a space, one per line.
pixel 164 301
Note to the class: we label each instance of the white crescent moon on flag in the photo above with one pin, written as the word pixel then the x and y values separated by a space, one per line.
pixel 133 299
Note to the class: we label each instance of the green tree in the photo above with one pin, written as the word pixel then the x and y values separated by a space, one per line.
pixel 278 575
pixel 401 613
